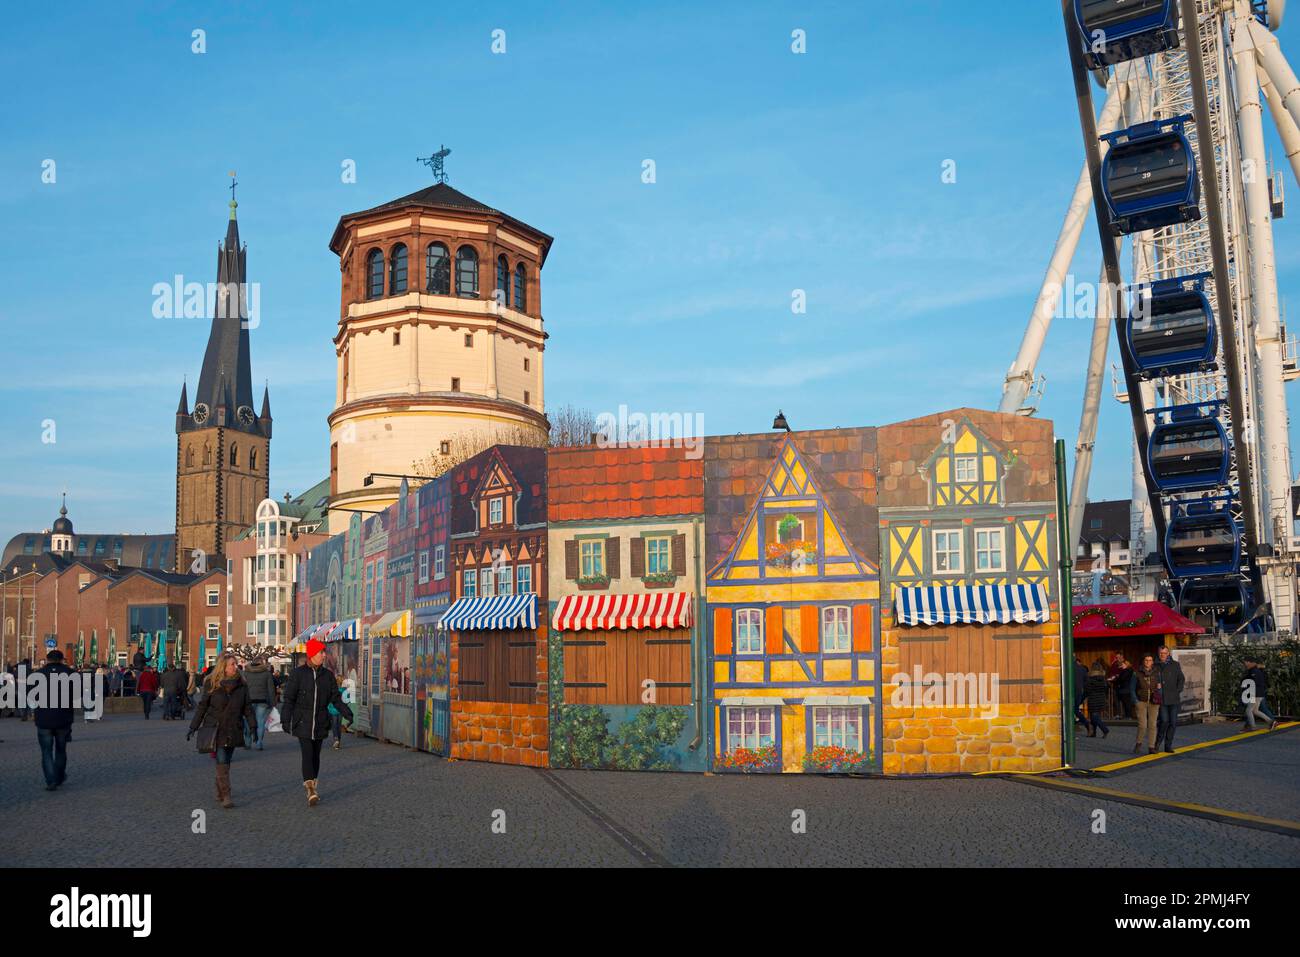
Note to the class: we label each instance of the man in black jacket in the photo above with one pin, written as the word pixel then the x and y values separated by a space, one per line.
pixel 1171 697
pixel 304 712
pixel 54 723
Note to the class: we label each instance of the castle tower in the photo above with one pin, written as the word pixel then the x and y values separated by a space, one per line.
pixel 61 534
pixel 439 342
pixel 222 445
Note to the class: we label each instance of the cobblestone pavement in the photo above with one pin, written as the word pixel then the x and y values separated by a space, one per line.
pixel 134 786
pixel 1118 746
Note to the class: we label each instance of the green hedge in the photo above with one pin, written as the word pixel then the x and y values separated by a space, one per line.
pixel 1282 664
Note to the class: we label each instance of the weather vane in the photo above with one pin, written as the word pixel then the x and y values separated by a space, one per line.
pixel 434 163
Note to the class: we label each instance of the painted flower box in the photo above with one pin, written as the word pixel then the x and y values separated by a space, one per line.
pixel 750 761
pixel 593 582
pixel 836 760
pixel 788 554
pixel 659 580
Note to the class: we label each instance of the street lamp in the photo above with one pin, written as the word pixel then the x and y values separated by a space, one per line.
pixel 369 480
pixel 779 422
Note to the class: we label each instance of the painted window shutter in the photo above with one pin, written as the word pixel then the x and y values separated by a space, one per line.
pixel 636 547
pixel 611 557
pixel 862 628
pixel 679 554
pixel 774 630
pixel 722 631
pixel 571 559
pixel 810 638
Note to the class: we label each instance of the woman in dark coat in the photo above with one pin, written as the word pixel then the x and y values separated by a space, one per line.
pixel 1095 693
pixel 225 707
pixel 304 712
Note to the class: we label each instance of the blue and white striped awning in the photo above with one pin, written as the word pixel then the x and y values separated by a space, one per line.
pixel 345 631
pixel 494 611
pixel 971 605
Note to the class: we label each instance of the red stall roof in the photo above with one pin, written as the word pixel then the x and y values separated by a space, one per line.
pixel 1164 620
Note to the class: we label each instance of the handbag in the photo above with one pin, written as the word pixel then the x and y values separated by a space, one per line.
pixel 207 739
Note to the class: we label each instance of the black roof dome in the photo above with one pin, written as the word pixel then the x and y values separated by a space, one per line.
pixel 62 524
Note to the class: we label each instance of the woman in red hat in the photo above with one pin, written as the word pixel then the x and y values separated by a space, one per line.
pixel 304 712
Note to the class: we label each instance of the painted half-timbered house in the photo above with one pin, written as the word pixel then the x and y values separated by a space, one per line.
pixel 793 601
pixel 431 652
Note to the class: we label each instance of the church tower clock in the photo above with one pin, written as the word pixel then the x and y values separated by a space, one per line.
pixel 223 445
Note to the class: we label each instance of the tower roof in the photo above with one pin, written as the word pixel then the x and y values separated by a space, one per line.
pixel 441 196
pixel 62 525
pixel 226 376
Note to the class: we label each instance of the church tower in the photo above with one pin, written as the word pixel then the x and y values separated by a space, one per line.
pixel 440 339
pixel 223 446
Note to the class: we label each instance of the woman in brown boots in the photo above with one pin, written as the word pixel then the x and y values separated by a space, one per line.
pixel 305 712
pixel 224 708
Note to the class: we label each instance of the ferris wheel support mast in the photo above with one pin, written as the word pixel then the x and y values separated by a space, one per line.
pixel 1275 445
pixel 1020 377
pixel 1209 173
pixel 1286 126
pixel 1278 69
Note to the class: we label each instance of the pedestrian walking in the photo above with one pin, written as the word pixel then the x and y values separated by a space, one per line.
pixel 1254 689
pixel 173 687
pixel 304 707
pixel 1146 704
pixel 1080 680
pixel 1122 684
pixel 221 714
pixel 261 692
pixel 1095 689
pixel 54 724
pixel 1170 692
pixel 147 688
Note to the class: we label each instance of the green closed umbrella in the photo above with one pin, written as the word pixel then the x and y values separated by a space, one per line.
pixel 162 651
pixel 81 648
pixel 94 649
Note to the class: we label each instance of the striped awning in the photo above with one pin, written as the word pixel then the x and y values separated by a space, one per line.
pixel 395 624
pixel 320 632
pixel 495 611
pixel 971 605
pixel 343 631
pixel 671 609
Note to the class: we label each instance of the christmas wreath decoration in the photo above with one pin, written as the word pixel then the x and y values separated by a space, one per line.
pixel 1109 618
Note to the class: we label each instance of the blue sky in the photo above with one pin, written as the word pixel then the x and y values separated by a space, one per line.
pixel 775 172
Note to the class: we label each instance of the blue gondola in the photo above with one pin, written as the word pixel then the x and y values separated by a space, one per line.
pixel 1189 450
pixel 1149 177
pixel 1118 30
pixel 1172 330
pixel 1225 597
pixel 1207 542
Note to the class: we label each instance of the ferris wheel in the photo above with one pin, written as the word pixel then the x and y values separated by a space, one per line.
pixel 1176 164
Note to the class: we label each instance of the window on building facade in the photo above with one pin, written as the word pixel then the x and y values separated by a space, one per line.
pixel 658 556
pixel 424 567
pixel 234 455
pixel 966 468
pixel 437 269
pixel 521 286
pixel 592 553
pixel 485 582
pixel 467 272
pixel 214 596
pixel 379 586
pixel 455 384
pixel 750 728
pixel 440 562
pixel 444 447
pixel 375 274
pixel 505 580
pixel 835 629
pixel 503 281
pixel 252 460
pixel 469 583
pixel 947 551
pixel 524 574
pixel 749 631
pixel 370 589
pixel 496 510
pixel 836 726
pixel 397 270
pixel 990 550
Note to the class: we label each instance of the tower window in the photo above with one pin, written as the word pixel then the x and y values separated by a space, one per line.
pixel 444 447
pixel 526 400
pixel 397 338
pixel 467 272
pixel 469 340
pixel 207 455
pixel 397 270
pixel 437 270
pixel 503 281
pixel 521 282
pixel 455 385
pixel 525 363
pixel 189 456
pixel 374 274
pixel 234 455
pixel 252 457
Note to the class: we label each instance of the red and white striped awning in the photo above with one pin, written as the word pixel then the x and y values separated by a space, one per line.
pixel 670 609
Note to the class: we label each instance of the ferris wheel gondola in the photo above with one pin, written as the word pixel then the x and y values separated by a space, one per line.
pixel 1149 177
pixel 1171 331
pixel 1117 30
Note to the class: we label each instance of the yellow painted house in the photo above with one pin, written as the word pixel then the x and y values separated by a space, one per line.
pixel 793 605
